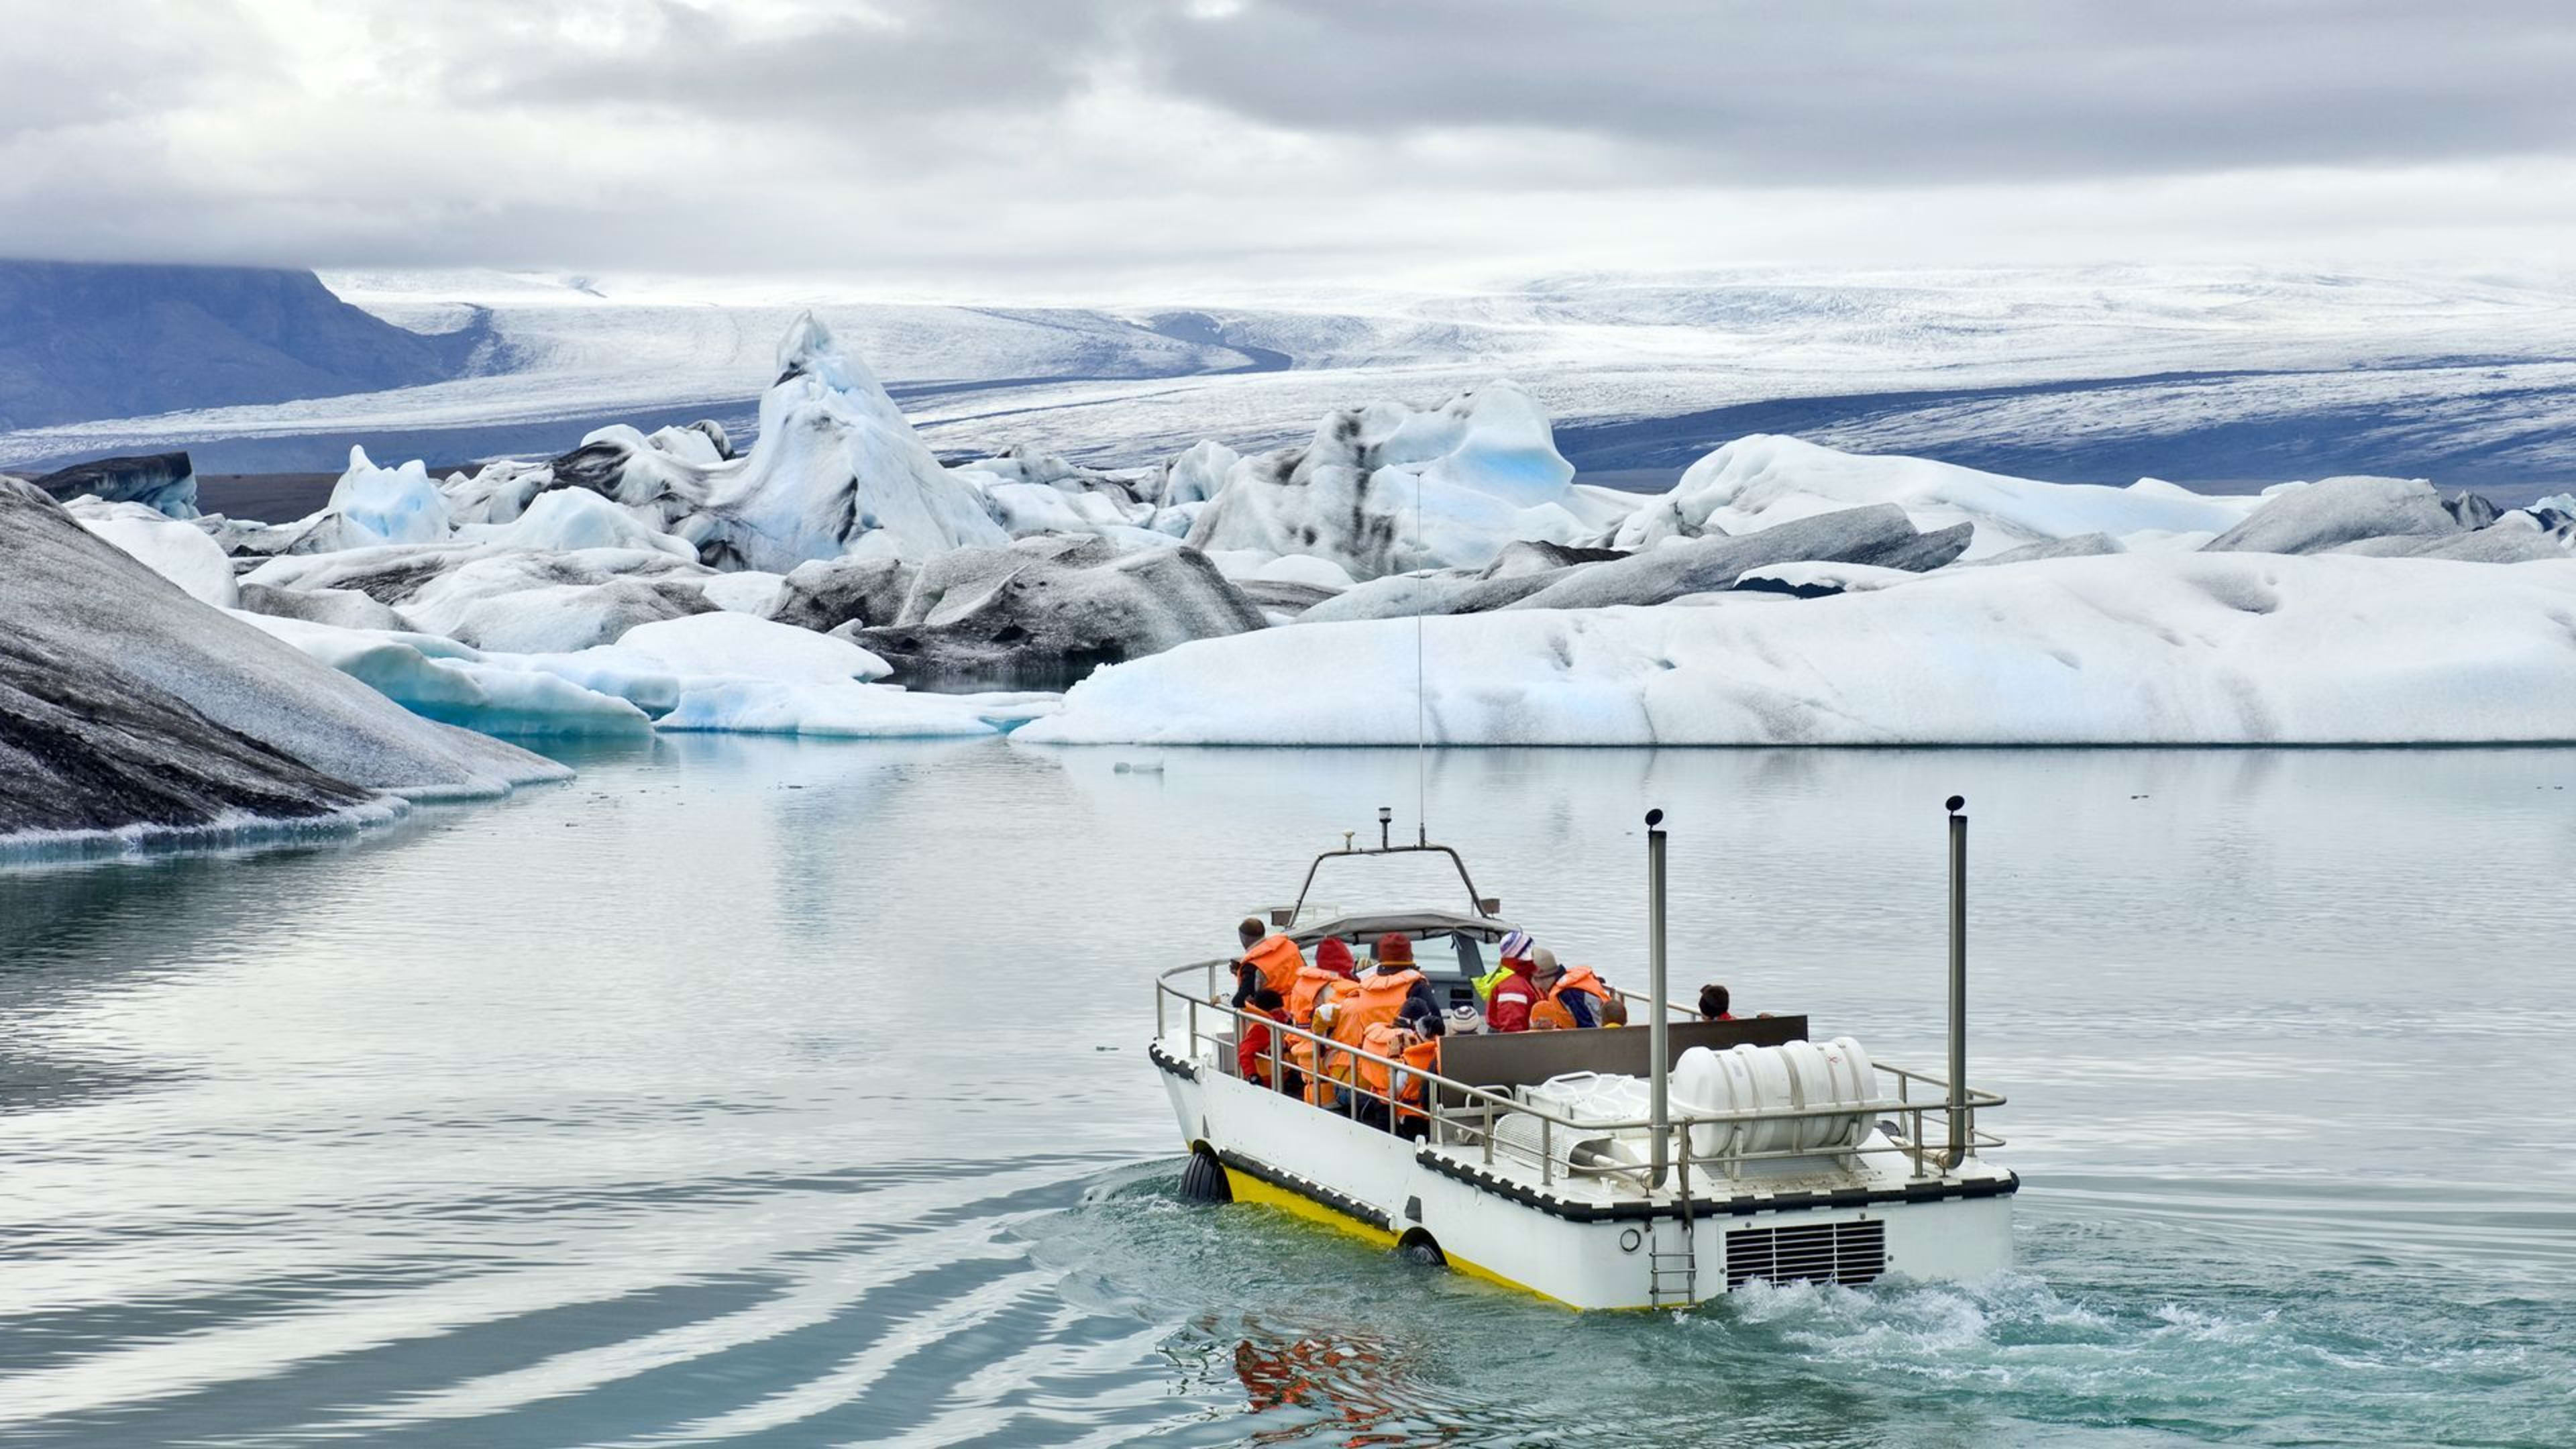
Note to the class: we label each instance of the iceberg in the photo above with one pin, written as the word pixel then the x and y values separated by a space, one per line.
pixel 1195 474
pixel 828 593
pixel 2329 513
pixel 1046 611
pixel 371 505
pixel 836 461
pixel 130 711
pixel 346 608
pixel 843 711
pixel 2131 649
pixel 1762 480
pixel 497 597
pixel 1881 534
pixel 719 671
pixel 1382 490
pixel 1531 578
pixel 446 681
pixel 747 592
pixel 574 518
pixel 722 645
pixel 181 552
pixel 166 483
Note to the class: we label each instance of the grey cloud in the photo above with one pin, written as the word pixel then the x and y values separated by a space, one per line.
pixel 888 65
pixel 976 141
pixel 1900 91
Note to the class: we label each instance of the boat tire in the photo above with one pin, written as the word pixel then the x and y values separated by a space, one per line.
pixel 1418 1246
pixel 1203 1180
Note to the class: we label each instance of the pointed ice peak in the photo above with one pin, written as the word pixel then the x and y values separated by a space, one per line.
pixel 388 505
pixel 807 341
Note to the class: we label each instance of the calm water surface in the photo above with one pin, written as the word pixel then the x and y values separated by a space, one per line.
pixel 756 1092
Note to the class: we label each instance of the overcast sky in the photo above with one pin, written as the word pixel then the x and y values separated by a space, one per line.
pixel 1073 147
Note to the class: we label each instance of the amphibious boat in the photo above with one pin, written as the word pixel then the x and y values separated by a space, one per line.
pixel 1655 1165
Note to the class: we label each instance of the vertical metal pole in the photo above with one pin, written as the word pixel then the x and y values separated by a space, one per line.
pixel 1657 1030
pixel 1958 982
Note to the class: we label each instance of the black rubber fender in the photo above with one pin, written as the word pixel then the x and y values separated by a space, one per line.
pixel 1203 1180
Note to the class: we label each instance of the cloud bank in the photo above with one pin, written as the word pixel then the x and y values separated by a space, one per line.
pixel 1161 145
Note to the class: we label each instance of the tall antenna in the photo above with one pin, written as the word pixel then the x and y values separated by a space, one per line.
pixel 1421 704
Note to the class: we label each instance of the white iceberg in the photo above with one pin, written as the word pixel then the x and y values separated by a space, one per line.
pixel 1382 489
pixel 728 645
pixel 2131 649
pixel 837 461
pixel 747 592
pixel 446 681
pixel 2333 512
pixel 371 505
pixel 496 597
pixel 727 672
pixel 179 551
pixel 1196 474
pixel 1763 480
pixel 576 518
pixel 847 711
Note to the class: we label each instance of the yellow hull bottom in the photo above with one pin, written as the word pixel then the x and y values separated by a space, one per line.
pixel 1250 1189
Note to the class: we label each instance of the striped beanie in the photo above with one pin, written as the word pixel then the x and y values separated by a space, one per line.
pixel 1517 945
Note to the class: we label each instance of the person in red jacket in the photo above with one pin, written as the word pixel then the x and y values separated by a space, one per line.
pixel 1508 1009
pixel 1252 1054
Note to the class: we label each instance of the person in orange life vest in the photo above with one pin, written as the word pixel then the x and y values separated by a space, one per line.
pixel 1271 961
pixel 1391 1098
pixel 1713 1004
pixel 1252 1055
pixel 1393 993
pixel 1309 996
pixel 1578 992
pixel 1508 1009
pixel 1249 933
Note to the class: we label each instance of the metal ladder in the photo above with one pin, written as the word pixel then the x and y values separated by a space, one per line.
pixel 1673 1278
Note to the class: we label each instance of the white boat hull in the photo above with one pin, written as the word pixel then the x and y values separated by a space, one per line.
pixel 1850 1220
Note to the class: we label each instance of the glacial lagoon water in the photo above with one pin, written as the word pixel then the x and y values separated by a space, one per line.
pixel 763 1092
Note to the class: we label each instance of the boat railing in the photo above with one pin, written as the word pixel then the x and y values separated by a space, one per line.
pixel 1454 1113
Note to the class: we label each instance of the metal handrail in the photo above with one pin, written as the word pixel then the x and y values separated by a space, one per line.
pixel 1495 1104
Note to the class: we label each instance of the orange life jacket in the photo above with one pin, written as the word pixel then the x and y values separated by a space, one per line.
pixel 1550 1014
pixel 1313 988
pixel 1419 1056
pixel 1580 978
pixel 1305 990
pixel 1379 1042
pixel 1376 1003
pixel 1422 1056
pixel 1278 960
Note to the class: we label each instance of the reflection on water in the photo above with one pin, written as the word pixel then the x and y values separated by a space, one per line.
pixel 749 1090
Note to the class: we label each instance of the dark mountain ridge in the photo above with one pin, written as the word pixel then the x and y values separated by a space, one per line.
pixel 83 340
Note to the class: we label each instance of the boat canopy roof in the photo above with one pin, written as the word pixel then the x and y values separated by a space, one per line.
pixel 1371 925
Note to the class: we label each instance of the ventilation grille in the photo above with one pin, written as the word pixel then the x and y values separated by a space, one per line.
pixel 1808 1253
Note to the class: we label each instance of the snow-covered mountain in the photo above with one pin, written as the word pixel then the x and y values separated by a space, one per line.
pixel 2204 375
